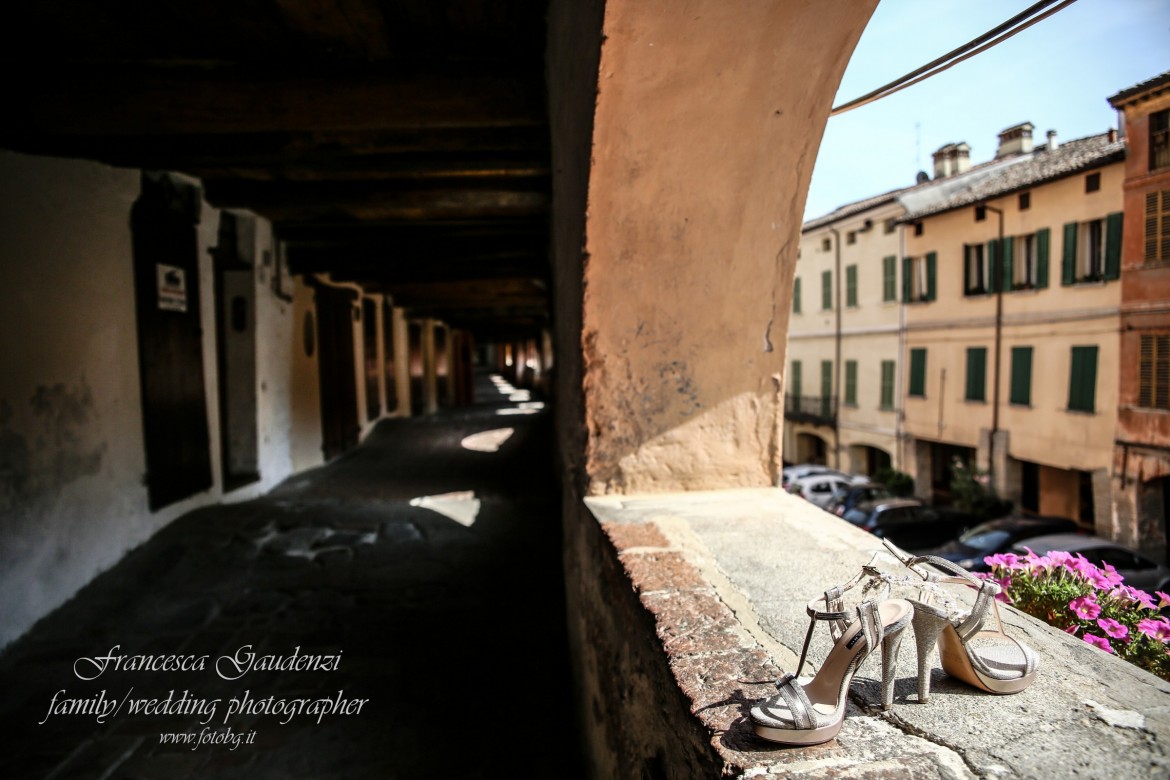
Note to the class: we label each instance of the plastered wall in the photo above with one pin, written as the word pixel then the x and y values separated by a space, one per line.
pixel 72 494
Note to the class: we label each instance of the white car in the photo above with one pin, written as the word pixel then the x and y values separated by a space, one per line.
pixel 819 488
pixel 802 470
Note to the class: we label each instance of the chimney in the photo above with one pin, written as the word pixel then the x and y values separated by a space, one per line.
pixel 1112 135
pixel 1017 139
pixel 1053 144
pixel 951 159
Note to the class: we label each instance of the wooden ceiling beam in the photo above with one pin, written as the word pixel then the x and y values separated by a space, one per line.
pixel 96 99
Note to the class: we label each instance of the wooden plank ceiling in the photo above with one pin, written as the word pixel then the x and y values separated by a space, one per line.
pixel 400 144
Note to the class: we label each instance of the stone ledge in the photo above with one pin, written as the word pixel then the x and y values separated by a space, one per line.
pixel 726 575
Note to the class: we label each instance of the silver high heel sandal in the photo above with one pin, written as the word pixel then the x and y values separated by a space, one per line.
pixel 1007 666
pixel 810 711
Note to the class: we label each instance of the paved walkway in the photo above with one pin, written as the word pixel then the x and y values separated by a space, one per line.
pixel 409 594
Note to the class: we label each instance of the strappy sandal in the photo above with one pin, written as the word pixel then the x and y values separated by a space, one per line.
pixel 810 711
pixel 986 658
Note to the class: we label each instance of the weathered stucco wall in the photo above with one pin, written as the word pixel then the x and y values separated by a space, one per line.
pixel 72 464
pixel 707 123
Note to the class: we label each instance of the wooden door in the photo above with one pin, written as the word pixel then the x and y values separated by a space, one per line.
pixel 170 348
pixel 336 366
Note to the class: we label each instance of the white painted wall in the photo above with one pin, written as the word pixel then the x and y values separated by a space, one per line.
pixel 72 499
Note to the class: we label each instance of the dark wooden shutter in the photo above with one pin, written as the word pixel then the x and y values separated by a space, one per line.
pixel 918 371
pixel 907 279
pixel 977 373
pixel 796 295
pixel 1113 224
pixel 991 265
pixel 851 382
pixel 931 273
pixel 1068 265
pixel 1042 257
pixel 1021 389
pixel 1007 267
pixel 1082 387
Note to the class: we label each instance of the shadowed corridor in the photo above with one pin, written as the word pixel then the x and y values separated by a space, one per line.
pixel 431 562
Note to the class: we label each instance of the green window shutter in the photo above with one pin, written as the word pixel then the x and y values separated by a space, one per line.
pixel 850 285
pixel 827 290
pixel 967 290
pixel 1082 379
pixel 990 261
pixel 1068 264
pixel 977 373
pixel 851 382
pixel 931 272
pixel 796 296
pixel 918 371
pixel 907 279
pixel 1007 268
pixel 1042 257
pixel 1021 390
pixel 794 380
pixel 826 388
pixel 1113 246
pixel 889 278
pixel 887 401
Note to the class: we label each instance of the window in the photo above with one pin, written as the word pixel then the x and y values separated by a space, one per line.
pixel 918 372
pixel 794 388
pixel 887 401
pixel 1160 139
pixel 796 295
pixel 980 213
pixel 1082 379
pixel 851 285
pixel 976 374
pixel 1093 182
pixel 827 290
pixel 890 226
pixel 1158 227
pixel 1029 260
pixel 1021 389
pixel 1025 201
pixel 889 278
pixel 1092 250
pixel 826 244
pixel 851 382
pixel 918 277
pixel 1154 372
pixel 851 237
pixel 976 275
pixel 918 229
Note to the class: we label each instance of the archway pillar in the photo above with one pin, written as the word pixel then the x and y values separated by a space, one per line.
pixel 706 122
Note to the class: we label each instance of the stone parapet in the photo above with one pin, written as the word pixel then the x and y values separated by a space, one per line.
pixel 722 579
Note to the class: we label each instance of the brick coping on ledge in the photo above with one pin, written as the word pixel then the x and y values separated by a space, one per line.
pixel 726 576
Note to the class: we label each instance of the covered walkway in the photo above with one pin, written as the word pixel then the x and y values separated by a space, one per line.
pixel 427 561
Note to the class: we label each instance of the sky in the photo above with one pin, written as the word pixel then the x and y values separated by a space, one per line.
pixel 1058 75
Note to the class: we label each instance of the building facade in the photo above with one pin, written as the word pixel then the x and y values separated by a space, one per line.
pixel 1011 344
pixel 843 340
pixel 1141 456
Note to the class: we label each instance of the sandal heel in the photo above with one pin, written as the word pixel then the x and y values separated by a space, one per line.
pixel 928 624
pixel 891 644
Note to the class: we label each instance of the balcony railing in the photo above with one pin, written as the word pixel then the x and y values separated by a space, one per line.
pixel 816 409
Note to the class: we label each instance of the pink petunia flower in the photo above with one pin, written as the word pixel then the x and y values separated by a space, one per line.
pixel 1079 566
pixel 1003 560
pixel 1098 641
pixel 1073 629
pixel 1158 628
pixel 1085 607
pixel 1163 599
pixel 1113 628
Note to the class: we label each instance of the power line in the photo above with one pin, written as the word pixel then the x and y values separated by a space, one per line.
pixel 993 37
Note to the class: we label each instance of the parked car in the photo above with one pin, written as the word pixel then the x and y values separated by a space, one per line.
pixel 909 523
pixel 849 496
pixel 998 536
pixel 1138 570
pixel 820 488
pixel 802 470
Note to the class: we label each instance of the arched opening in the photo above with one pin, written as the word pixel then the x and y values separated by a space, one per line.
pixel 868 460
pixel 1153 520
pixel 811 448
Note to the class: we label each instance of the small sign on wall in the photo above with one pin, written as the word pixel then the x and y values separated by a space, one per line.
pixel 172 288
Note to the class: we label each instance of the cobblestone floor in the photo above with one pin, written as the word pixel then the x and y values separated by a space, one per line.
pixel 428 570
